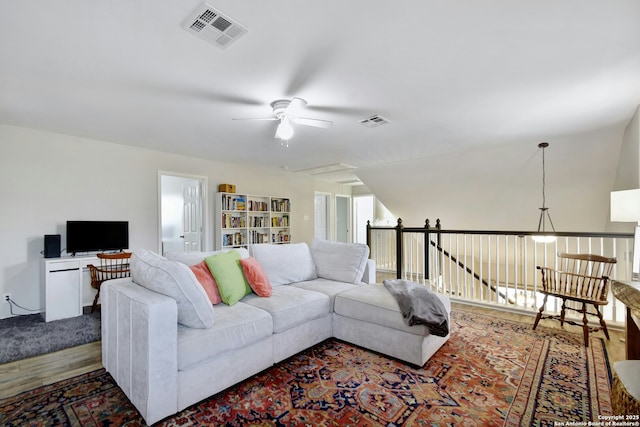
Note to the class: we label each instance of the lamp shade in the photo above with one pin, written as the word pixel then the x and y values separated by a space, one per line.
pixel 625 206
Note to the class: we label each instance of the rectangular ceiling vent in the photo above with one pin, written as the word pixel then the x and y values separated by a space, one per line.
pixel 373 121
pixel 352 182
pixel 213 26
pixel 335 167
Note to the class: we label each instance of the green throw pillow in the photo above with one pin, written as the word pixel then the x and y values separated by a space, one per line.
pixel 226 269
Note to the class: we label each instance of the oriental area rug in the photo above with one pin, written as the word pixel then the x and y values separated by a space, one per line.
pixel 491 372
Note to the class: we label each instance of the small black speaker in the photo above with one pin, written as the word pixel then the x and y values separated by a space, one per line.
pixel 52 246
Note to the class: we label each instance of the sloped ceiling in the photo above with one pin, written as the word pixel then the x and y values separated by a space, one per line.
pixel 454 79
pixel 500 187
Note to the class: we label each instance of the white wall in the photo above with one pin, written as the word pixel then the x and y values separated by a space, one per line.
pixel 47 179
pixel 628 172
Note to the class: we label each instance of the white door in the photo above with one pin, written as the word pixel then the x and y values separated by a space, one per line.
pixel 343 218
pixel 192 216
pixel 322 216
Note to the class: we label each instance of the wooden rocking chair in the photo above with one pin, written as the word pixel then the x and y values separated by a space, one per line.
pixel 583 278
pixel 112 266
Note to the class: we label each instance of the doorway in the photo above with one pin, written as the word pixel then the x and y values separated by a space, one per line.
pixel 182 212
pixel 364 207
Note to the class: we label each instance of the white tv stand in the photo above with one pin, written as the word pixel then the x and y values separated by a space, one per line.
pixel 62 286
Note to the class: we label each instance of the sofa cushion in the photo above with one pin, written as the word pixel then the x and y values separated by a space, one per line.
pixel 330 288
pixel 285 264
pixel 204 276
pixel 290 306
pixel 374 304
pixel 236 327
pixel 177 281
pixel 344 262
pixel 225 268
pixel 256 277
pixel 195 257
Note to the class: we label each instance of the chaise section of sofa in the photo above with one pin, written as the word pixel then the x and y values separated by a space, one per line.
pixel 369 317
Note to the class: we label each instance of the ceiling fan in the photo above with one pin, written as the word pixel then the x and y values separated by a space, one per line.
pixel 285 111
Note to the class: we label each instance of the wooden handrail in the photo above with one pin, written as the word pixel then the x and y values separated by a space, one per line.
pixel 427 230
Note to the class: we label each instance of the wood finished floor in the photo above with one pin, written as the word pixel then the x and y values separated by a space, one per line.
pixel 22 375
pixel 27 374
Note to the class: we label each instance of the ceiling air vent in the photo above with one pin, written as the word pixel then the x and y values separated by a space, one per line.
pixel 213 26
pixel 373 121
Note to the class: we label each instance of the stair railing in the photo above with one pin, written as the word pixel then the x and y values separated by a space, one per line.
pixel 488 267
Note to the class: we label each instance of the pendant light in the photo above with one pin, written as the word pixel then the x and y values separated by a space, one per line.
pixel 544 210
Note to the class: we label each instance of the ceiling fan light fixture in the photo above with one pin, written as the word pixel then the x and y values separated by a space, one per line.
pixel 285 112
pixel 285 130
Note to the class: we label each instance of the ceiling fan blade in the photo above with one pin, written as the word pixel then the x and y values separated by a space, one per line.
pixel 312 122
pixel 192 91
pixel 310 67
pixel 357 111
pixel 235 99
pixel 294 105
pixel 257 118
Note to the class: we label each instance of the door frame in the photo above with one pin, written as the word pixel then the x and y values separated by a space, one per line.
pixel 206 239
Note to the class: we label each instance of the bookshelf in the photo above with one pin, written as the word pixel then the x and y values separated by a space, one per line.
pixel 244 219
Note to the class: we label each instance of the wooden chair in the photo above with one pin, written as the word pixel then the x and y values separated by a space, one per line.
pixel 112 266
pixel 583 278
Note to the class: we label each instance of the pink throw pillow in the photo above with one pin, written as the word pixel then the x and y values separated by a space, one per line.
pixel 207 281
pixel 256 276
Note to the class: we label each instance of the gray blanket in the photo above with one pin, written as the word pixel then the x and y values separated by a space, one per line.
pixel 419 306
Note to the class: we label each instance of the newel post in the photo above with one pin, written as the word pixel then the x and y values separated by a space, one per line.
pixel 439 227
pixel 369 236
pixel 427 248
pixel 399 249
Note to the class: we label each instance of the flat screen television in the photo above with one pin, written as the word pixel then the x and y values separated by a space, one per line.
pixel 90 236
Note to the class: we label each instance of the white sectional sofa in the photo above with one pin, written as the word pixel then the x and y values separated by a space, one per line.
pixel 168 347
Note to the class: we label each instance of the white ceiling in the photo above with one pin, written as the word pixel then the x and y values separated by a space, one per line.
pixel 450 76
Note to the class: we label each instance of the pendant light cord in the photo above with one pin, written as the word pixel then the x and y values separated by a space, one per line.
pixel 544 212
pixel 544 199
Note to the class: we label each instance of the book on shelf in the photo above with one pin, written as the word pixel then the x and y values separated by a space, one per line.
pixel 259 237
pixel 257 222
pixel 280 237
pixel 233 202
pixel 280 205
pixel 280 221
pixel 235 239
pixel 258 206
pixel 233 221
